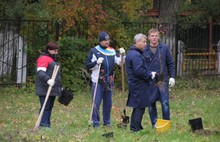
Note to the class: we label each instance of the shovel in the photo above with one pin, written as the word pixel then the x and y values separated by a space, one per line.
pixel 93 100
pixel 124 118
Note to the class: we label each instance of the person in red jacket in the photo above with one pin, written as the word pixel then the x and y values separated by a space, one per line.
pixel 45 65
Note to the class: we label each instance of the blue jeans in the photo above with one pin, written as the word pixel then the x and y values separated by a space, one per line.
pixel 45 121
pixel 163 97
pixel 101 94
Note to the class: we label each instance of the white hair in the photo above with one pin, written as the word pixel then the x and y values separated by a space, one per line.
pixel 138 37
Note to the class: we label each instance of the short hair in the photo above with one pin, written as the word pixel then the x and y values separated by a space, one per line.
pixel 138 37
pixel 52 46
pixel 153 30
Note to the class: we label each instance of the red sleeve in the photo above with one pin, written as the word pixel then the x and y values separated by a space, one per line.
pixel 44 61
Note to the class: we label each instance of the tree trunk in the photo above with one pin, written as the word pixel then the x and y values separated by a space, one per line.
pixel 168 10
pixel 167 19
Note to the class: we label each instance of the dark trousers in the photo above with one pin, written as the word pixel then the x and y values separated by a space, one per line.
pixel 136 118
pixel 45 121
pixel 101 94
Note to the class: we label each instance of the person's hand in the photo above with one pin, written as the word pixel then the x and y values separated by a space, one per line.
pixel 153 74
pixel 171 82
pixel 50 82
pixel 100 60
pixel 122 50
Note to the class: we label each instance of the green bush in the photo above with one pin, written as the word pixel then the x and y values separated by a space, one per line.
pixel 73 53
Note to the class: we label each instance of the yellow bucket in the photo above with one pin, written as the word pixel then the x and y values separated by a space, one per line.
pixel 162 125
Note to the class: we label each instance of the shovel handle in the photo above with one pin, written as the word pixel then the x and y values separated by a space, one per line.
pixel 55 71
pixel 123 80
pixel 94 95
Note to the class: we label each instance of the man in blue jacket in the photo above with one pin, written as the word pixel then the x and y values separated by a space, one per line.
pixel 106 56
pixel 158 58
pixel 138 81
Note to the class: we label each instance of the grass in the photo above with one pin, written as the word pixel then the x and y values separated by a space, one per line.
pixel 188 99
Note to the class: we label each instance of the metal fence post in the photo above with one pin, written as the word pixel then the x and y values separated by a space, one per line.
pixel 180 58
pixel 21 61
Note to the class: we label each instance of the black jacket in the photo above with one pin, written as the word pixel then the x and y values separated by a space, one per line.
pixel 46 61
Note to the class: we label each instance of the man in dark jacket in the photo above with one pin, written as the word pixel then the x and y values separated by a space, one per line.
pixel 138 81
pixel 106 56
pixel 158 58
pixel 45 65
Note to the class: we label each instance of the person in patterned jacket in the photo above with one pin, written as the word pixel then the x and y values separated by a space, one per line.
pixel 106 56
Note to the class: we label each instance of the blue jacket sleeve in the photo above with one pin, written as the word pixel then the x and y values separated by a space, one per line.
pixel 139 69
pixel 170 63
pixel 89 63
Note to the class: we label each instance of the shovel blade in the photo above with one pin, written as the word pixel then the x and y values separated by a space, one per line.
pixel 125 119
